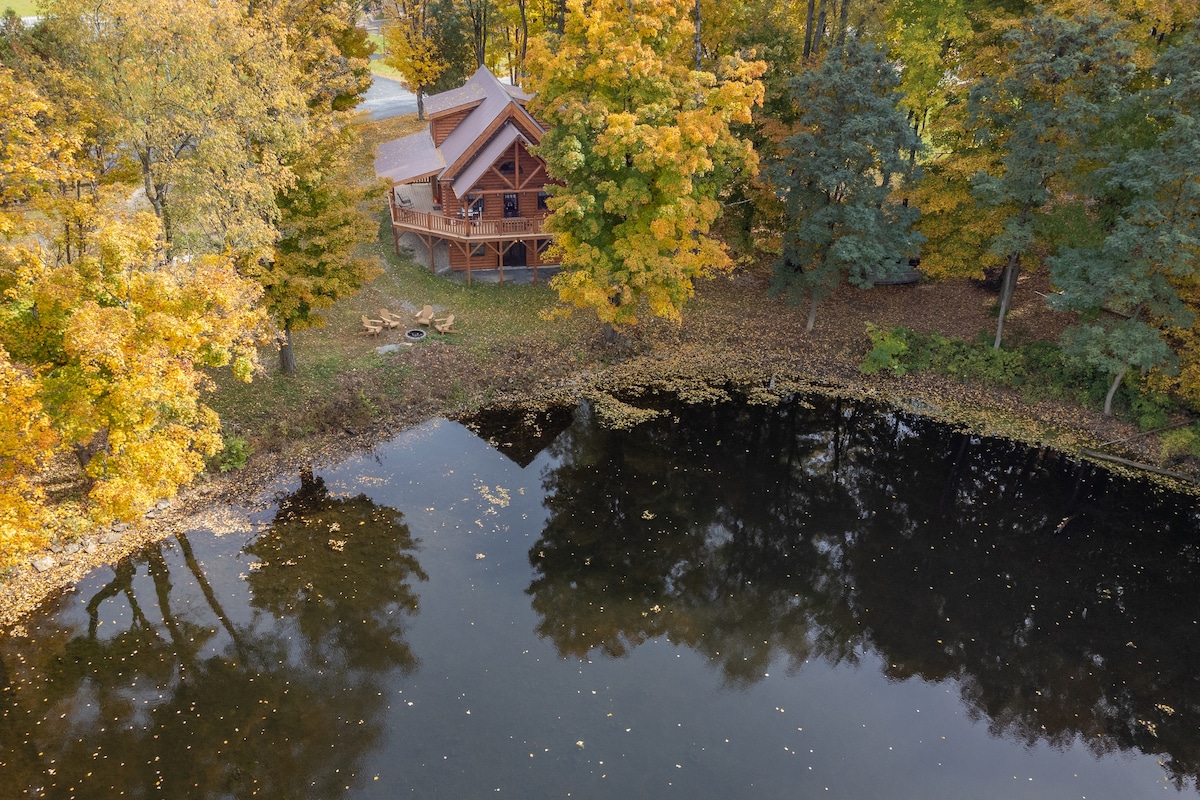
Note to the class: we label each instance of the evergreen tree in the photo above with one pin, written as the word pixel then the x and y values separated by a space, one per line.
pixel 1066 81
pixel 840 174
pixel 1128 287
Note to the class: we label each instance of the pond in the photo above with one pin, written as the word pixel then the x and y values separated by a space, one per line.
pixel 816 599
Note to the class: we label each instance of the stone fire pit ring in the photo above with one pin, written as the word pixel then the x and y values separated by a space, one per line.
pixel 415 335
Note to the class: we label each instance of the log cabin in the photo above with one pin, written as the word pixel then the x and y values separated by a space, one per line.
pixel 467 186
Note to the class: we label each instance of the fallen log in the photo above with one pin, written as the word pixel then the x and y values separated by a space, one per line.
pixel 1138 465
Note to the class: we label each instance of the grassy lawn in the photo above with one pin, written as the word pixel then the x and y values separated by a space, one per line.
pixel 24 8
pixel 344 383
pixel 377 65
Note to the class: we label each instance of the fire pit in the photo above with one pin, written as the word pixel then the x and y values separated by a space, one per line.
pixel 415 335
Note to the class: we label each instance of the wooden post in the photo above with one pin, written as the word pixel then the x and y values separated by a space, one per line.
pixel 392 215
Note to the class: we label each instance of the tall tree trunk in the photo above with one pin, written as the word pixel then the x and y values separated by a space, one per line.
pixel 479 10
pixel 843 22
pixel 812 312
pixel 1112 390
pixel 156 195
pixel 523 40
pixel 420 103
pixel 287 356
pixel 819 33
pixel 808 28
pixel 697 35
pixel 1008 285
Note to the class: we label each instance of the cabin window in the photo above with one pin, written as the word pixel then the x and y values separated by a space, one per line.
pixel 512 207
pixel 508 168
pixel 474 206
pixel 542 201
pixel 479 251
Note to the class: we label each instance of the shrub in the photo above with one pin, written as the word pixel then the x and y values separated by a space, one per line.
pixel 1181 442
pixel 235 455
pixel 887 350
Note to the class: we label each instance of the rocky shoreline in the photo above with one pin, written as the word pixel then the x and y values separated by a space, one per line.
pixel 223 503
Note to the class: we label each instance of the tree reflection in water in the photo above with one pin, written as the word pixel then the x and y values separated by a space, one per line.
pixel 1060 600
pixel 285 704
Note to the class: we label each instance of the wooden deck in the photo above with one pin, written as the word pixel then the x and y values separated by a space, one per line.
pixel 412 210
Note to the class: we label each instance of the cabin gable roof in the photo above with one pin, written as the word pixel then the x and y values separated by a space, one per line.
pixel 493 107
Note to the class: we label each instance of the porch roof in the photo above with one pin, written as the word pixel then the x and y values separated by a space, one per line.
pixel 409 158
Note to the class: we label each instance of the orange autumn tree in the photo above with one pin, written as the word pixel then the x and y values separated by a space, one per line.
pixel 641 143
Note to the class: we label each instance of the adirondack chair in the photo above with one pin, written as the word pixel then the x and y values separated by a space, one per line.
pixel 445 325
pixel 390 320
pixel 371 327
pixel 425 317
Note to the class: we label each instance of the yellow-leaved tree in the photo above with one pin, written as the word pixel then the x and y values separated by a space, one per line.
pixel 411 48
pixel 197 98
pixel 26 440
pixel 642 146
pixel 111 344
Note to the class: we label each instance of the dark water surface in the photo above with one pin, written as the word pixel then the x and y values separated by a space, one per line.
pixel 727 602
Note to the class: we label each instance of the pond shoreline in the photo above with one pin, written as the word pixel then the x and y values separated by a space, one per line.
pixel 222 502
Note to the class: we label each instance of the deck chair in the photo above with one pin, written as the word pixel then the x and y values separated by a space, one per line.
pixel 389 320
pixel 371 327
pixel 425 316
pixel 445 325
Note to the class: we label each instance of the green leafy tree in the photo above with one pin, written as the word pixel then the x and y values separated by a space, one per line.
pixel 1066 79
pixel 321 227
pixel 1129 287
pixel 839 175
pixel 642 146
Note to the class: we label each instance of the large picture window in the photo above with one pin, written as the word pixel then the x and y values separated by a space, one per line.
pixel 512 207
pixel 474 206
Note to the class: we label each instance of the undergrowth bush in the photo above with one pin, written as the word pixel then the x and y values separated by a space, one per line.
pixel 235 455
pixel 1039 369
pixel 888 350
pixel 1181 442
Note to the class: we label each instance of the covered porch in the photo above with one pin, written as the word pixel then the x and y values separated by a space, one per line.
pixel 506 242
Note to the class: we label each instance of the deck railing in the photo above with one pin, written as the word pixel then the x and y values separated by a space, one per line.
pixel 458 228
